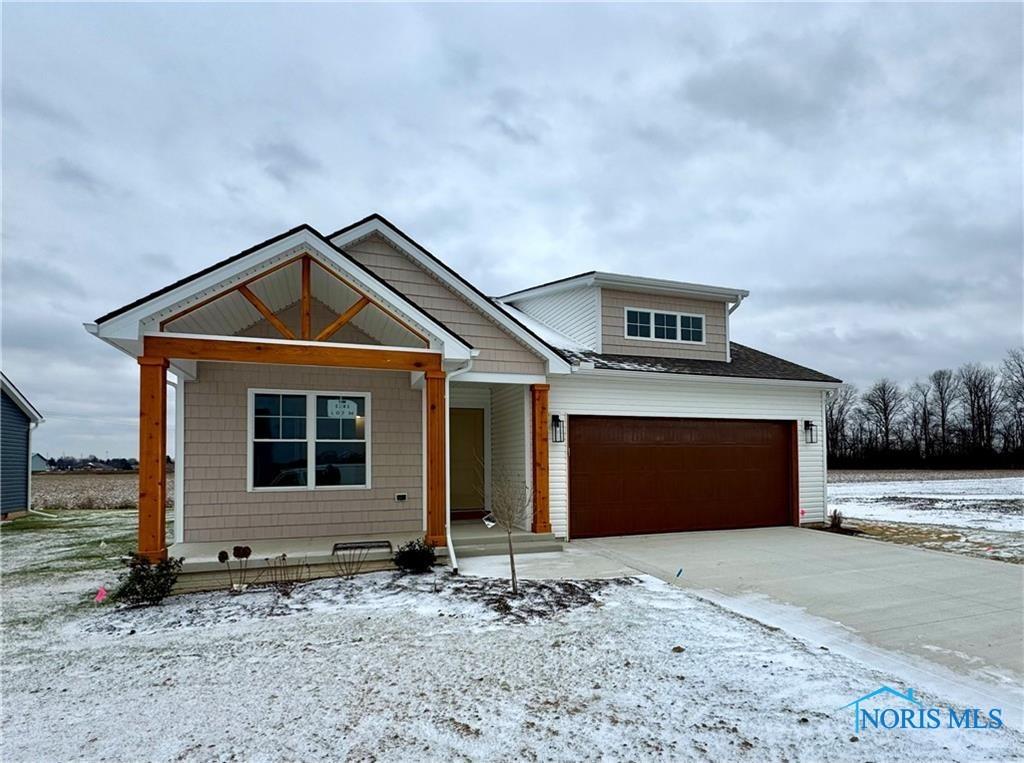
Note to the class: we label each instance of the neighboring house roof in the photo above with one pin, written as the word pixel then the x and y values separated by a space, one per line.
pixel 20 400
pixel 629 283
pixel 746 363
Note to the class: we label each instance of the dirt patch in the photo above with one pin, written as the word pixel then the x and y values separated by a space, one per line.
pixel 1000 546
pixel 915 475
pixel 537 600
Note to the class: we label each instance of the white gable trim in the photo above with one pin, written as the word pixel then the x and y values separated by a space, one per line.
pixel 556 363
pixel 22 402
pixel 130 325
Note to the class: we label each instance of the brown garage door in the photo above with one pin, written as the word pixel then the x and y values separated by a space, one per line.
pixel 646 475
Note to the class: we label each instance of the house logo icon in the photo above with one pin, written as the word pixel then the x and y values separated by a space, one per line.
pixel 886 708
pixel 907 696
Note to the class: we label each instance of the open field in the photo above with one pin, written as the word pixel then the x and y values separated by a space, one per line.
pixel 386 667
pixel 981 514
pixel 58 490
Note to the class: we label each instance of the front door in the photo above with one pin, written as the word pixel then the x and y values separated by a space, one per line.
pixel 467 462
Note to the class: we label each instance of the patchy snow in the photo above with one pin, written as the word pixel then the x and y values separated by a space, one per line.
pixel 981 504
pixel 390 667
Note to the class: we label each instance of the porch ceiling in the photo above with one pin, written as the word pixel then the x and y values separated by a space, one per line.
pixel 232 313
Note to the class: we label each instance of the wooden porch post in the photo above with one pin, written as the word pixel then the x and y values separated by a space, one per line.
pixel 152 458
pixel 436 437
pixel 541 491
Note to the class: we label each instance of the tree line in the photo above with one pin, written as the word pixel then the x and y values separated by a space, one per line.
pixel 970 417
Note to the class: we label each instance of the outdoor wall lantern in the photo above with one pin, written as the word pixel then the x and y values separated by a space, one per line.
pixel 810 432
pixel 557 429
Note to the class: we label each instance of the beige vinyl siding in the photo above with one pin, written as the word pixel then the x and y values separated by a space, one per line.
pixel 573 312
pixel 217 505
pixel 613 335
pixel 687 398
pixel 499 351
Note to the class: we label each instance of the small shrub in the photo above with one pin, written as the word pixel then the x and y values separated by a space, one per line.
pixel 415 557
pixel 835 521
pixel 146 584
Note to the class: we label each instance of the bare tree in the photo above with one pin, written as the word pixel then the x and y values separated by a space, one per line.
pixel 945 390
pixel 920 417
pixel 511 501
pixel 839 408
pixel 883 403
pixel 1012 390
pixel 979 393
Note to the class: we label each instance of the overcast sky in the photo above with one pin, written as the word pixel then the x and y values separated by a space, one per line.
pixel 857 168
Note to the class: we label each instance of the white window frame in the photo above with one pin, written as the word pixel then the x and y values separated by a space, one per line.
pixel 651 311
pixel 311 440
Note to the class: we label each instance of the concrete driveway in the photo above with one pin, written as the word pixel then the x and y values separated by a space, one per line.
pixel 864 596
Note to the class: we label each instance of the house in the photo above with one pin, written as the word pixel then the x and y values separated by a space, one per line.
pixel 352 386
pixel 39 463
pixel 18 417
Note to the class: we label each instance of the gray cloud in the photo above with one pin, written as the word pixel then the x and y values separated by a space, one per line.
pixel 855 167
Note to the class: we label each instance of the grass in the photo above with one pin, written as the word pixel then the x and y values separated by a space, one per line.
pixel 991 545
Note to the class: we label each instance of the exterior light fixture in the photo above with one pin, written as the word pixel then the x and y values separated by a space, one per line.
pixel 810 432
pixel 557 429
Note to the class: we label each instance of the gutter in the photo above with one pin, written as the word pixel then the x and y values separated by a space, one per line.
pixel 736 304
pixel 464 368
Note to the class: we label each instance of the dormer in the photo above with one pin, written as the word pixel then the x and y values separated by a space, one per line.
pixel 614 314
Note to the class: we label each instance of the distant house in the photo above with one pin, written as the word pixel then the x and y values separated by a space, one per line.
pixel 39 463
pixel 18 417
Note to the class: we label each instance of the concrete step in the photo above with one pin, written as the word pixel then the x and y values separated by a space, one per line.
pixel 496 544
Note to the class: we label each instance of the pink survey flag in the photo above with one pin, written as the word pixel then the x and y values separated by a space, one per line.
pixel 101 595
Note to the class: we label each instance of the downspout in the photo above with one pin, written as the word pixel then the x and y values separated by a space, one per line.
pixel 31 427
pixel 452 559
pixel 728 339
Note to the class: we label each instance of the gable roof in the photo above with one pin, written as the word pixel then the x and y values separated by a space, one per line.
pixel 629 283
pixel 302 235
pixel 746 363
pixel 376 223
pixel 909 696
pixel 20 400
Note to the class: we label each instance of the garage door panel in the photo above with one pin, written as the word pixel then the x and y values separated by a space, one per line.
pixel 648 475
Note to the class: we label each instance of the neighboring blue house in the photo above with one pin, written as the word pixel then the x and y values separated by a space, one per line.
pixel 18 417
pixel 39 463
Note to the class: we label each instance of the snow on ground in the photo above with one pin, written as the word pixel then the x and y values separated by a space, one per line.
pixel 986 504
pixel 978 515
pixel 386 667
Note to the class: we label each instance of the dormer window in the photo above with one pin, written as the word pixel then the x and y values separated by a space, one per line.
pixel 684 328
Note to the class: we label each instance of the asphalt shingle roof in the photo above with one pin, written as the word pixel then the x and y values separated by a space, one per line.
pixel 746 363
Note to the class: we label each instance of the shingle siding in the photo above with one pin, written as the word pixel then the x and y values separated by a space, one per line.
pixel 614 341
pixel 14 457
pixel 217 504
pixel 499 351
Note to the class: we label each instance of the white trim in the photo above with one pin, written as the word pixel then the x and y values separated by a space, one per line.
pixel 728 341
pixel 486 408
pixel 824 458
pixel 486 377
pixel 556 363
pixel 179 460
pixel 631 283
pixel 666 376
pixel 20 400
pixel 130 324
pixel 653 311
pixel 310 439
pixel 600 321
